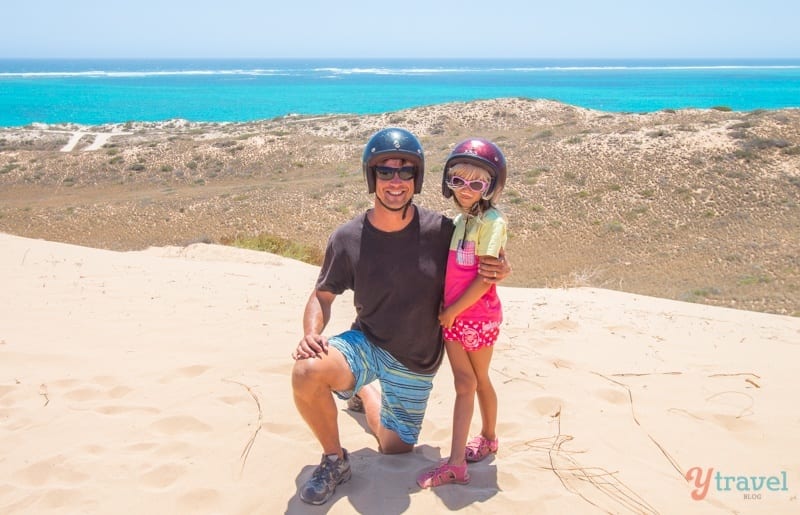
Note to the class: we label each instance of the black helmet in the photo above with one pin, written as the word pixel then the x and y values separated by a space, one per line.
pixel 479 152
pixel 393 143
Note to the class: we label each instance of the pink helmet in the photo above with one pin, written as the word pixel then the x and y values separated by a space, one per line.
pixel 480 152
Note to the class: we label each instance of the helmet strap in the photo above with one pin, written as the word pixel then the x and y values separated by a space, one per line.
pixel 489 193
pixel 405 209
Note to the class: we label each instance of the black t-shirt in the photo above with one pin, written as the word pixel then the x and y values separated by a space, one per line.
pixel 398 281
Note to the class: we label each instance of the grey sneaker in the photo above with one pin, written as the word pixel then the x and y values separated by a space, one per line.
pixel 325 479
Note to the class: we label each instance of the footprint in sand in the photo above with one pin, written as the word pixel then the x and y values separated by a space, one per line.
pixel 124 410
pixel 109 388
pixel 6 389
pixel 175 450
pixel 93 449
pixel 612 396
pixel 180 424
pixel 163 475
pixel 199 500
pixel 84 394
pixel 119 391
pixel 141 446
pixel 234 400
pixel 731 409
pixel 279 429
pixel 64 383
pixel 278 370
pixel 184 373
pixel 733 423
pixel 105 380
pixel 61 498
pixel 546 406
pixel 50 470
pixel 560 325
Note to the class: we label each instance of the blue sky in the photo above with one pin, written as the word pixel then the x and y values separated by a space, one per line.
pixel 404 28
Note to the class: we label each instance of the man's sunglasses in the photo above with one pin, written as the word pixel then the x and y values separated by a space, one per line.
pixel 456 183
pixel 386 173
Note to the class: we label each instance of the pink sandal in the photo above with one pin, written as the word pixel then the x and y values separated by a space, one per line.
pixel 444 474
pixel 479 447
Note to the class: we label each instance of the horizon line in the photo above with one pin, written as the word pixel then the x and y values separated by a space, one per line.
pixel 423 58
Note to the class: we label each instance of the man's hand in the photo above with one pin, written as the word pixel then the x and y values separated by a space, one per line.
pixel 311 346
pixel 494 270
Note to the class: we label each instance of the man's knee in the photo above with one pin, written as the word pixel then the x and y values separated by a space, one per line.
pixel 305 375
pixel 389 442
pixel 330 372
pixel 395 447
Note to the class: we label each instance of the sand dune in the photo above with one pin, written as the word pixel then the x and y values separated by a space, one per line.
pixel 157 381
pixel 698 205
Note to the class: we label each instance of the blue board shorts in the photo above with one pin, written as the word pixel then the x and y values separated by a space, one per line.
pixel 404 394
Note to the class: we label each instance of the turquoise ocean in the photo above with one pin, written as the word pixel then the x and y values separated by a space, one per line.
pixel 237 90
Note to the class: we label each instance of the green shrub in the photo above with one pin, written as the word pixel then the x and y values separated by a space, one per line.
pixel 278 245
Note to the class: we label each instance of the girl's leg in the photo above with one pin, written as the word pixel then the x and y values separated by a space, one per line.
pixel 465 384
pixel 487 397
pixel 455 469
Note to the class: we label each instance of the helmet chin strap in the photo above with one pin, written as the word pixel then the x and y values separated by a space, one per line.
pixel 404 208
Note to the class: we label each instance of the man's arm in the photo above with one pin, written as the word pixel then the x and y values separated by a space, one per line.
pixel 316 316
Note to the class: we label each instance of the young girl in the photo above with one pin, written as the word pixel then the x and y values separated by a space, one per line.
pixel 474 175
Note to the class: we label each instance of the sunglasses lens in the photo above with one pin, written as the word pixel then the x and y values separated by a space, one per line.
pixel 386 173
pixel 456 182
pixel 406 173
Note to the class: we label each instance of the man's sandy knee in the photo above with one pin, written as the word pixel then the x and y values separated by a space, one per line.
pixel 396 448
pixel 305 374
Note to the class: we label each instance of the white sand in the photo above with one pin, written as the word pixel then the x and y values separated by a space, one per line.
pixel 100 139
pixel 158 382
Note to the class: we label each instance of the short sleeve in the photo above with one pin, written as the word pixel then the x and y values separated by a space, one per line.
pixel 492 234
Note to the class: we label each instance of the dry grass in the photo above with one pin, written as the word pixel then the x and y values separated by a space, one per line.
pixel 695 205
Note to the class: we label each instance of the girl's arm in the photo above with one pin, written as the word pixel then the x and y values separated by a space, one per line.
pixel 474 291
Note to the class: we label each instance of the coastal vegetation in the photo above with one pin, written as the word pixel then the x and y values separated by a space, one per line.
pixel 699 205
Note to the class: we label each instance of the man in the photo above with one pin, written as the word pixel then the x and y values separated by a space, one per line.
pixel 393 257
